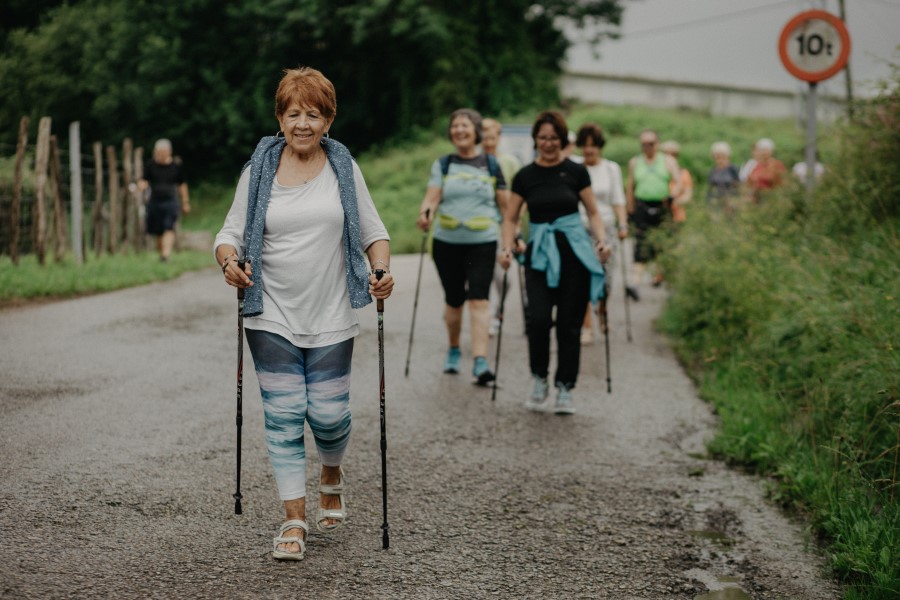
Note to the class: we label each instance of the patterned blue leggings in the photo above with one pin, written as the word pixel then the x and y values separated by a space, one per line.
pixel 298 385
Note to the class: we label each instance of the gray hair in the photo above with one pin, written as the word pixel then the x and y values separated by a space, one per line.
pixel 162 144
pixel 765 144
pixel 720 148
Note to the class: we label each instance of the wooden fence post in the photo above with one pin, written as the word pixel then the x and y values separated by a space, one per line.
pixel 139 198
pixel 128 182
pixel 16 208
pixel 112 172
pixel 42 157
pixel 59 213
pixel 75 191
pixel 97 212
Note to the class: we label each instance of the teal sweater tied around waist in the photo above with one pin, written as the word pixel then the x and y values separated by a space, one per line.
pixel 545 253
pixel 263 165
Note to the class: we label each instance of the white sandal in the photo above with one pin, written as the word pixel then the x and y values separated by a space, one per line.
pixel 281 539
pixel 336 514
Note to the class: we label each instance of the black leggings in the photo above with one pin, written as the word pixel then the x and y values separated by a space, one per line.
pixel 647 216
pixel 571 299
pixel 466 270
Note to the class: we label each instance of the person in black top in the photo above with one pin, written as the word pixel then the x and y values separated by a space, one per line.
pixel 163 176
pixel 562 267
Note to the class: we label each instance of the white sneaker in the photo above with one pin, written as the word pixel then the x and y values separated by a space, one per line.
pixel 537 401
pixel 587 337
pixel 494 327
pixel 564 402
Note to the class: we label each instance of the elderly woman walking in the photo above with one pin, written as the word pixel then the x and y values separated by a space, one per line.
pixel 302 216
pixel 561 261
pixel 466 194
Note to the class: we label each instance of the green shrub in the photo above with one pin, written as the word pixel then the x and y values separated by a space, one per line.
pixel 788 315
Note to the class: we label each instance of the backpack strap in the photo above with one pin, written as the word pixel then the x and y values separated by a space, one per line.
pixel 492 164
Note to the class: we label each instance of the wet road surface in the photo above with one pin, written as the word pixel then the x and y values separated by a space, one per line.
pixel 117 437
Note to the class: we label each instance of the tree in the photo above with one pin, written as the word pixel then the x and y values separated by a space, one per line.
pixel 203 73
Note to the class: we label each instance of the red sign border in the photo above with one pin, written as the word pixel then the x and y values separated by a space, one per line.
pixel 814 76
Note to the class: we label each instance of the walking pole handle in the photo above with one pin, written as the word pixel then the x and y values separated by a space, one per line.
pixel 379 273
pixel 241 265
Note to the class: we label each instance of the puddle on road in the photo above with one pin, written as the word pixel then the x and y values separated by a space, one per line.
pixel 729 593
pixel 717 537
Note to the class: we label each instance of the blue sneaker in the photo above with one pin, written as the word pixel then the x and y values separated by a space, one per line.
pixel 451 365
pixel 482 371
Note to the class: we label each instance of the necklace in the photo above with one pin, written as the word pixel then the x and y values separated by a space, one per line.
pixel 309 170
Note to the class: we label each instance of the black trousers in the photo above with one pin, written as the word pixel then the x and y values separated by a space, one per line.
pixel 571 300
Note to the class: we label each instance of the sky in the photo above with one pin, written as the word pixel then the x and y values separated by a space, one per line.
pixel 735 42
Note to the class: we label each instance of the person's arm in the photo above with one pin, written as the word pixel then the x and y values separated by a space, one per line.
pixel 428 207
pixel 185 198
pixel 687 188
pixel 675 174
pixel 229 240
pixel 502 199
pixel 379 253
pixel 617 199
pixel 629 188
pixel 596 221
pixel 509 228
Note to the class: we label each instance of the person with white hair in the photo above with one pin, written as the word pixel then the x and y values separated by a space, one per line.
pixel 723 179
pixel 164 177
pixel 767 173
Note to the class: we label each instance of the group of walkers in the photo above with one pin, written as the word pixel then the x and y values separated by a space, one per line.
pixel 305 246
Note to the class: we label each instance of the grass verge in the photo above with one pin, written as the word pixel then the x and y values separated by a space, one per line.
pixel 787 315
pixel 31 281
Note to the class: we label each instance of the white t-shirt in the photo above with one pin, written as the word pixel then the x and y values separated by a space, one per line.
pixel 305 296
pixel 606 183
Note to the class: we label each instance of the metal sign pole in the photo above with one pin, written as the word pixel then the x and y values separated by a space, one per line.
pixel 811 137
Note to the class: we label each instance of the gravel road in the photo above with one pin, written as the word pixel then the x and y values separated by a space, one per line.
pixel 117 438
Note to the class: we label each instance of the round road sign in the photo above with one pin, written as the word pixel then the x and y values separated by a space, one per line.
pixel 814 45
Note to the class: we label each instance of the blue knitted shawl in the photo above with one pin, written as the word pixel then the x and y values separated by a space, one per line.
pixel 263 165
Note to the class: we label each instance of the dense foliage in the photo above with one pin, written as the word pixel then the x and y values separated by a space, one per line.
pixel 789 314
pixel 203 72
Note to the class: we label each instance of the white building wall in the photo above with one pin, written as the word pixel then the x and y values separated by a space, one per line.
pixel 717 100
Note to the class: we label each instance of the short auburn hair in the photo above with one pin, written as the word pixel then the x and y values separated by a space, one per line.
pixel 558 122
pixel 307 87
pixel 590 132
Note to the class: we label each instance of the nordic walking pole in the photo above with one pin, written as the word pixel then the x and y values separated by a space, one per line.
pixel 412 326
pixel 606 335
pixel 625 289
pixel 524 298
pixel 239 420
pixel 499 334
pixel 385 537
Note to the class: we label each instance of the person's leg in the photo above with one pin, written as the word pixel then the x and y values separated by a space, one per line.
pixel 641 245
pixel 540 320
pixel 495 299
pixel 453 321
pixel 281 372
pixel 479 263
pixel 166 243
pixel 328 391
pixel 587 329
pixel 573 298
pixel 448 259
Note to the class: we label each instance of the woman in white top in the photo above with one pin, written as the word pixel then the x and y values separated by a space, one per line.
pixel 606 183
pixel 302 216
